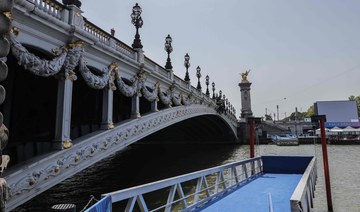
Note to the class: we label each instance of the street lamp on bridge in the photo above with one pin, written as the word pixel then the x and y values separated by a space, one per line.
pixel 213 89
pixel 168 49
pixel 138 22
pixel 198 75
pixel 207 78
pixel 187 65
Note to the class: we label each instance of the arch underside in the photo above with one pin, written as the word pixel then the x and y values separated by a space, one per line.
pixel 199 129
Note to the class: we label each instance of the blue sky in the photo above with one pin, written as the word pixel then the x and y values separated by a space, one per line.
pixel 299 52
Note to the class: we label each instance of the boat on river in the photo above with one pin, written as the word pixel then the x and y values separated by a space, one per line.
pixel 285 140
pixel 266 183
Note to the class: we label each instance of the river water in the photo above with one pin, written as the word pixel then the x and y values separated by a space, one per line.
pixel 145 163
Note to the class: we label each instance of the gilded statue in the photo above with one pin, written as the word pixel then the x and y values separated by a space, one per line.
pixel 244 76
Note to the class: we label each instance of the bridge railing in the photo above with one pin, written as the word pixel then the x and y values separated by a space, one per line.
pixel 53 8
pixel 189 191
pixel 106 38
pixel 301 200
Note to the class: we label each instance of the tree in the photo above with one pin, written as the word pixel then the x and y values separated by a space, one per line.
pixel 310 112
pixel 357 100
pixel 301 115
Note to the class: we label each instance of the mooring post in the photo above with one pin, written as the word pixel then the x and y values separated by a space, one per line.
pixel 252 121
pixel 322 119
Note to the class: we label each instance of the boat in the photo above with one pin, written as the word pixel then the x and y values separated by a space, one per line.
pixel 344 139
pixel 266 183
pixel 285 140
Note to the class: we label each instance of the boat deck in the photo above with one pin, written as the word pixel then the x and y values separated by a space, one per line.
pixel 253 195
pixel 266 183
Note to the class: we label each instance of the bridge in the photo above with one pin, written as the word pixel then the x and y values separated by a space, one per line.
pixel 75 94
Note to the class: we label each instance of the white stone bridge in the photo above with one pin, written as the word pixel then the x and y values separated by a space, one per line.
pixel 76 94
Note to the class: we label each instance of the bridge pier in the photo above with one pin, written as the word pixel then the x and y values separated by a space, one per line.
pixel 107 109
pixel 63 113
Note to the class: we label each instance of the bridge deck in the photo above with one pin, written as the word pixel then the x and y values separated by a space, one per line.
pixel 254 196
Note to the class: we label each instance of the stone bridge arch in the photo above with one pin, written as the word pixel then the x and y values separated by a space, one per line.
pixel 100 144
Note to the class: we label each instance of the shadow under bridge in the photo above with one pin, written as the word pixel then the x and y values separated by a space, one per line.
pixel 199 129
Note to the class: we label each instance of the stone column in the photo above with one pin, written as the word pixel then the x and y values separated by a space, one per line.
pixel 154 107
pixel 107 109
pixel 63 114
pixel 135 110
pixel 245 99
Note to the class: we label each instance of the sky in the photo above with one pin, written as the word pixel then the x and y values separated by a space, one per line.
pixel 299 52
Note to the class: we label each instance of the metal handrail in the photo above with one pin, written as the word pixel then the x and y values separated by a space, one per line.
pixel 226 175
pixel 200 191
pixel 304 191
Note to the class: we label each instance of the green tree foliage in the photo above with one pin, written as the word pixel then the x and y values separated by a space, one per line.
pixel 310 112
pixel 301 115
pixel 357 100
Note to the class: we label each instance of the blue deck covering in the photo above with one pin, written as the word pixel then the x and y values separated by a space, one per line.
pixel 254 195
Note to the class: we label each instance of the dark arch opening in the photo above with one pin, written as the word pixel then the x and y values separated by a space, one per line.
pixel 145 105
pixel 121 105
pixel 160 105
pixel 29 110
pixel 201 129
pixel 86 108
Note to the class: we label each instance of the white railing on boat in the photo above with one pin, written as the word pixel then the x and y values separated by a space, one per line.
pixel 302 198
pixel 194 189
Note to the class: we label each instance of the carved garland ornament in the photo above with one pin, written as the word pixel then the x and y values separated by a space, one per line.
pixel 186 100
pixel 151 95
pixel 165 97
pixel 138 82
pixel 68 58
pixel 92 80
pixel 176 98
pixel 33 63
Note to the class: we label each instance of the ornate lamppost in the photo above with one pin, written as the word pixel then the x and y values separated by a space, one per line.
pixel 138 22
pixel 187 65
pixel 213 89
pixel 168 49
pixel 207 78
pixel 198 75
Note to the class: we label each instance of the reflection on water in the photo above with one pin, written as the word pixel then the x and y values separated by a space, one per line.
pixel 141 164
